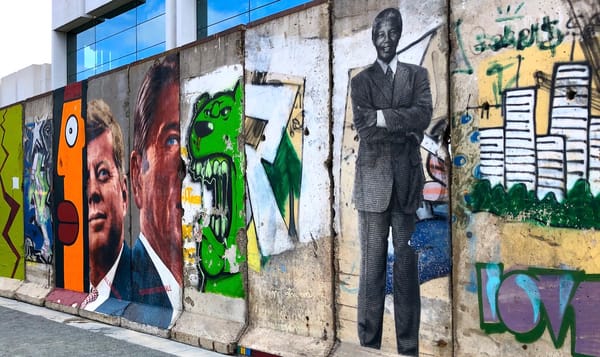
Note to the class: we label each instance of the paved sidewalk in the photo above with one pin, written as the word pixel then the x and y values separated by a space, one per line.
pixel 29 330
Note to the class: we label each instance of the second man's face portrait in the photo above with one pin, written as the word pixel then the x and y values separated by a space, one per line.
pixel 160 177
pixel 107 199
pixel 385 38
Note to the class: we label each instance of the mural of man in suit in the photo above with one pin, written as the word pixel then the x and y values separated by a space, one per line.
pixel 392 106
pixel 156 178
pixel 109 255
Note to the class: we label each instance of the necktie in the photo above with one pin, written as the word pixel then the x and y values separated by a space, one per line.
pixel 390 75
pixel 92 296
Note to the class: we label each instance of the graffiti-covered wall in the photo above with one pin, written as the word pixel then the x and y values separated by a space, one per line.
pixel 357 87
pixel 12 257
pixel 290 186
pixel 286 133
pixel 38 161
pixel 213 192
pixel 525 176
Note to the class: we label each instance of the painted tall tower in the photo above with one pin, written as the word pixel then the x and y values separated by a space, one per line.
pixel 519 144
pixel 491 143
pixel 569 115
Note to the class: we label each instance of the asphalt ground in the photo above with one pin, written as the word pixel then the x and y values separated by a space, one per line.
pixel 29 330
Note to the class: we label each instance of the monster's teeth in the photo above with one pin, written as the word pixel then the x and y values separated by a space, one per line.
pixel 198 169
pixel 209 170
pixel 217 168
pixel 224 168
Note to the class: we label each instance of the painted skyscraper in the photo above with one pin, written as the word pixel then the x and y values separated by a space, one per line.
pixel 491 151
pixel 549 163
pixel 570 114
pixel 551 166
pixel 519 141
pixel 594 173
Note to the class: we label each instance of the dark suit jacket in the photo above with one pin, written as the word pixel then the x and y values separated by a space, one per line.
pixel 150 303
pixel 120 292
pixel 407 108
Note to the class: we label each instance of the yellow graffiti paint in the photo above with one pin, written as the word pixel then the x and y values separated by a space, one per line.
pixel 187 196
pixel 498 73
pixel 189 255
pixel 253 252
pixel 187 231
pixel 532 245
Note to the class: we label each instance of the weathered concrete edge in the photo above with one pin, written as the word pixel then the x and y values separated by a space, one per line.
pixel 8 287
pixel 208 332
pixel 348 349
pixel 100 317
pixel 32 293
pixel 149 329
pixel 280 343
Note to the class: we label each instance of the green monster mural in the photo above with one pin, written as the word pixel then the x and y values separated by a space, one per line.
pixel 215 163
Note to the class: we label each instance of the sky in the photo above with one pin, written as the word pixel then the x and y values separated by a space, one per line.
pixel 25 34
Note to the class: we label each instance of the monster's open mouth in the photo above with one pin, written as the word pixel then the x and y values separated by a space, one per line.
pixel 213 172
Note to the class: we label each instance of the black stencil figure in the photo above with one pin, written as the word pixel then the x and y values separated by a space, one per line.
pixel 392 107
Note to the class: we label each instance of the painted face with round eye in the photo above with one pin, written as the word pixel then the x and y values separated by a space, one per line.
pixel 71 130
pixel 69 218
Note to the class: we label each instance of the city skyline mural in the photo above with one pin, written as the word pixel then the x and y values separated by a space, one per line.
pixel 539 140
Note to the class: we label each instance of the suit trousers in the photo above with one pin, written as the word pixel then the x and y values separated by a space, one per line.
pixel 373 234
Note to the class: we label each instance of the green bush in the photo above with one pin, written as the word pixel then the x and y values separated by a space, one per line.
pixel 580 209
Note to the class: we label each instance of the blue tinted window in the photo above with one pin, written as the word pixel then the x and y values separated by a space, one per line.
pixel 139 32
pixel 227 23
pixel 110 27
pixel 221 15
pixel 134 34
pixel 86 37
pixel 116 63
pixel 219 11
pixel 84 74
pixel 151 32
pixel 151 51
pixel 150 10
pixel 264 8
pixel 115 47
pixel 85 58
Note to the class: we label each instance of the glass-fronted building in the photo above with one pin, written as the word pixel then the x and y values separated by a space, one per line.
pixel 102 35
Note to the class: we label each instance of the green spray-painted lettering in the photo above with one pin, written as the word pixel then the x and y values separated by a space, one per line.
pixel 547 36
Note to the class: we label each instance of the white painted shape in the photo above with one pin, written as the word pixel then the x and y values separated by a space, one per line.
pixel 575 112
pixel 304 56
pixel 430 144
pixel 271 231
pixel 273 104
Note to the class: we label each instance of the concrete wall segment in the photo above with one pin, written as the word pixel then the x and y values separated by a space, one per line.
pixel 211 70
pixel 423 42
pixel 290 280
pixel 526 47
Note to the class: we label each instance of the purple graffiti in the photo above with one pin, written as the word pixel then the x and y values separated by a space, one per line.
pixel 527 302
